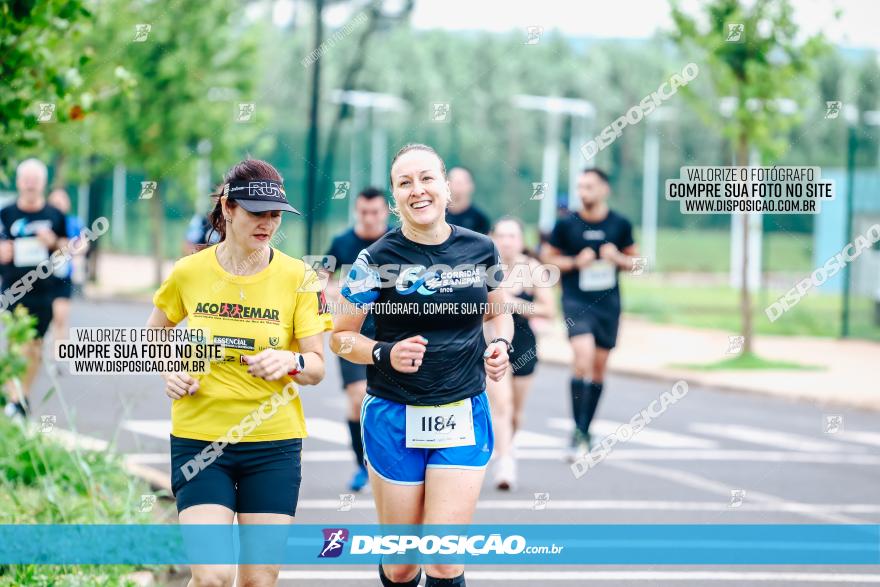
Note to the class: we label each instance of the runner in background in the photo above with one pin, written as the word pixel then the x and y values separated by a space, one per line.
pixel 199 234
pixel 508 396
pixel 590 248
pixel 30 230
pixel 371 222
pixel 461 211
pixel 63 278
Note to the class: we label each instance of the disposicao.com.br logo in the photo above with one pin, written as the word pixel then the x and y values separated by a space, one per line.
pixel 334 542
pixel 429 544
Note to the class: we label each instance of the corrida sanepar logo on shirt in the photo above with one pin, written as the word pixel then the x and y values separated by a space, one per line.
pixel 427 281
pixel 234 311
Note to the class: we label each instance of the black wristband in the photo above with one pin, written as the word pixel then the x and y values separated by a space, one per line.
pixel 382 354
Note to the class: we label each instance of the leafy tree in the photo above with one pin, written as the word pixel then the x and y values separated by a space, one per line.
pixel 37 67
pixel 191 54
pixel 767 63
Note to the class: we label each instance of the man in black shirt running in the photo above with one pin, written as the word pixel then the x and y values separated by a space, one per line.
pixel 371 222
pixel 590 248
pixel 30 230
pixel 461 211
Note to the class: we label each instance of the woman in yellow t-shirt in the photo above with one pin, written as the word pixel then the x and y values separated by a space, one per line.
pixel 237 429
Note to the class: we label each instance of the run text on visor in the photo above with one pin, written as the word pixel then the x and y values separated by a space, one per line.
pixel 258 188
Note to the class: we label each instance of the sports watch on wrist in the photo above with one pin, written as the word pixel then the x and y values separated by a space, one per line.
pixel 299 365
pixel 505 341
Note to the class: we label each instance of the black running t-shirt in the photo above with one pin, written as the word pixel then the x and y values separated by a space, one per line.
pixel 438 292
pixel 597 284
pixel 21 228
pixel 473 219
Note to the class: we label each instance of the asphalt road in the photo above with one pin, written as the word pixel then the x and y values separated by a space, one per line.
pixel 712 458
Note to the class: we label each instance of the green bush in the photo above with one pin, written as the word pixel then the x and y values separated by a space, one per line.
pixel 45 482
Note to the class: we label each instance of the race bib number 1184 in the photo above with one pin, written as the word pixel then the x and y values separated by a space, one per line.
pixel 440 426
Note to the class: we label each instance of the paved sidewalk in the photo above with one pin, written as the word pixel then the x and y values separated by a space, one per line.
pixel 847 375
pixel 848 372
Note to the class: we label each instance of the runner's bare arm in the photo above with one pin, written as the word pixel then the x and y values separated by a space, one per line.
pixel 158 319
pixel 545 304
pixel 623 259
pixel 6 252
pixel 500 325
pixel 553 256
pixel 346 340
pixel 312 350
pixel 177 385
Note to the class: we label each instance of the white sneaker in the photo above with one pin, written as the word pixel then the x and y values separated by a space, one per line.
pixel 14 412
pixel 505 474
pixel 578 448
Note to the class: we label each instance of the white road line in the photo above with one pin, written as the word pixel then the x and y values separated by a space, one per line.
pixel 529 439
pixel 555 454
pixel 758 456
pixel 327 456
pixel 871 438
pixel 706 484
pixel 328 430
pixel 314 456
pixel 771 438
pixel 73 440
pixel 153 428
pixel 547 575
pixel 149 458
pixel 318 428
pixel 366 503
pixel 648 436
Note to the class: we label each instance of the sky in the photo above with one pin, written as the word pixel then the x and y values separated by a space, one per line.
pixel 627 19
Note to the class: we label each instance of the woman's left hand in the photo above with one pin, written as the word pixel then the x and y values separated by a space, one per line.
pixel 270 364
pixel 496 360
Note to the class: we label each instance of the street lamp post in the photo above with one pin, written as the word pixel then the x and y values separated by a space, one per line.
pixel 364 103
pixel 555 108
pixel 650 184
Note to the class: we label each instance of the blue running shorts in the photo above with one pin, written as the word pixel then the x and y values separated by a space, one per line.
pixel 383 427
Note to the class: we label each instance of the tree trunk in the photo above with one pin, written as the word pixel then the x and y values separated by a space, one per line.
pixel 313 136
pixel 60 172
pixel 158 229
pixel 745 305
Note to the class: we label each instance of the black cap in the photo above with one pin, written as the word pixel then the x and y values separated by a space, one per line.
pixel 259 195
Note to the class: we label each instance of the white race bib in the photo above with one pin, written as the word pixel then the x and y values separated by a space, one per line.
pixel 440 426
pixel 28 252
pixel 598 276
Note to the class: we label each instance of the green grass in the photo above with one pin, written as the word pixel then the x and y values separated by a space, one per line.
pixel 748 361
pixel 817 314
pixel 708 251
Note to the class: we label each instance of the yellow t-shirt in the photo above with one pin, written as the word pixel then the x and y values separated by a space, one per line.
pixel 248 314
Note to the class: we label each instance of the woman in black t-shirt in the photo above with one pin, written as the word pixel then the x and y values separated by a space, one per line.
pixel 426 422
pixel 527 301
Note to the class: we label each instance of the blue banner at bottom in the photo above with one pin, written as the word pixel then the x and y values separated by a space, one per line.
pixel 710 544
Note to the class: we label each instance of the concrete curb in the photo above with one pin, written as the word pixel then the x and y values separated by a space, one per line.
pixel 154 477
pixel 74 440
